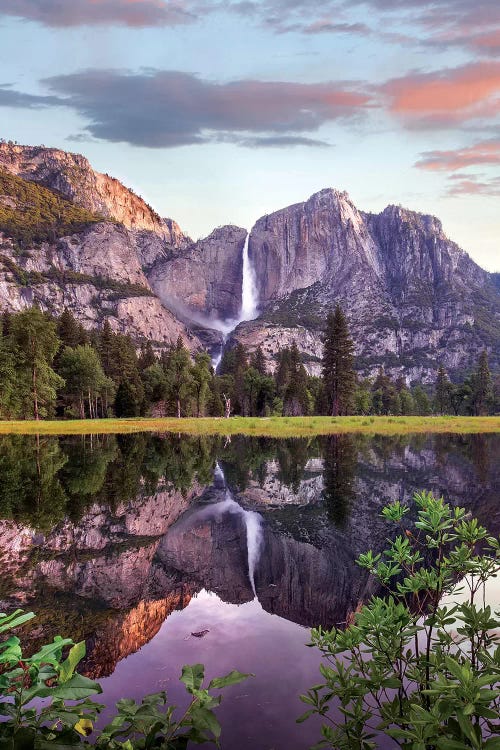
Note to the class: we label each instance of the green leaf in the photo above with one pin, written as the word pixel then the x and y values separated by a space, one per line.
pixel 192 676
pixel 74 689
pixel 14 620
pixel 204 720
pixel 233 678
pixel 67 668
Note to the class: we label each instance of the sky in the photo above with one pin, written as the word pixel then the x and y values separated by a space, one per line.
pixel 222 111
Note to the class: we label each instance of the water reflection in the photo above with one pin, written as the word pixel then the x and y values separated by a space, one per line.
pixel 109 538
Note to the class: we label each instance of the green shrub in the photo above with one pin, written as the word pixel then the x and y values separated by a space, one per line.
pixel 415 665
pixel 67 715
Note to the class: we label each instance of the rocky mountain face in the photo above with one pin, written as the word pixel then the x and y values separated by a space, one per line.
pixel 412 296
pixel 203 280
pixel 72 176
pixel 131 266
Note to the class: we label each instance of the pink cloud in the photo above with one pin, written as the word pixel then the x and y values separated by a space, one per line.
pixel 461 184
pixel 486 152
pixel 446 97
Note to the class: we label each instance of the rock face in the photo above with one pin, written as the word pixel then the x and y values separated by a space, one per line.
pixel 413 297
pixel 113 268
pixel 97 275
pixel 73 177
pixel 204 279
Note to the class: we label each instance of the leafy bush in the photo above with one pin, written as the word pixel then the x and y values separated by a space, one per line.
pixel 67 714
pixel 417 665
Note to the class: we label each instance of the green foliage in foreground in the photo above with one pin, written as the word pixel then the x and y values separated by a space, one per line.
pixel 67 714
pixel 415 665
pixel 32 213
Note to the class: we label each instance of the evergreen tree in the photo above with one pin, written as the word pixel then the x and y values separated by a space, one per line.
pixel 258 361
pixel 283 371
pixel 85 379
pixel 442 396
pixel 69 330
pixel 338 364
pixel 296 398
pixel 422 402
pixel 9 390
pixel 483 391
pixel 126 404
pixel 147 356
pixel 155 384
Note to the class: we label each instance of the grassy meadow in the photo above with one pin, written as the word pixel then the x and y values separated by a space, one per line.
pixel 263 427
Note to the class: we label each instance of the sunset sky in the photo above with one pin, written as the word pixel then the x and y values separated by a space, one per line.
pixel 219 112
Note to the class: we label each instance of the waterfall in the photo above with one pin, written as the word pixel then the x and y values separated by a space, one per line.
pixel 249 303
pixel 253 526
pixel 248 287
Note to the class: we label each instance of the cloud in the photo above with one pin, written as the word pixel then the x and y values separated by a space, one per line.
pixel 9 97
pixel 65 13
pixel 160 109
pixel 448 97
pixel 327 26
pixel 485 153
pixel 275 141
pixel 464 184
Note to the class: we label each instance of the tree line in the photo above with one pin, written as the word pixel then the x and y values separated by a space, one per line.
pixel 50 366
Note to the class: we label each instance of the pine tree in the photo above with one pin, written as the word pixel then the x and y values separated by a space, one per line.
pixel 338 364
pixel 201 376
pixel 442 391
pixel 258 361
pixel 296 399
pixel 147 356
pixel 483 391
pixel 69 329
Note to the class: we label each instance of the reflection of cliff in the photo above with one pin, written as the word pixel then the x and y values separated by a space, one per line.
pixel 114 575
pixel 309 582
pixel 96 579
pixel 124 633
pixel 209 547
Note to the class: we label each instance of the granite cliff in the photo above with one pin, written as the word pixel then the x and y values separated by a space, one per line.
pixel 121 261
pixel 412 296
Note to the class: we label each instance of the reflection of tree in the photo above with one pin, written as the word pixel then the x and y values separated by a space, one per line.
pixel 475 449
pixel 85 471
pixel 244 457
pixel 45 479
pixel 340 458
pixel 30 490
pixel 292 458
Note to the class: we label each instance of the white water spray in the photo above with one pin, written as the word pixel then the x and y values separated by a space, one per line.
pixel 249 302
pixel 253 526
pixel 248 287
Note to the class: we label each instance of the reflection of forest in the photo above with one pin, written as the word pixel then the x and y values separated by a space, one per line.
pixel 103 536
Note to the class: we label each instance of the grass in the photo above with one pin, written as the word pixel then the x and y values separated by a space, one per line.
pixel 271 427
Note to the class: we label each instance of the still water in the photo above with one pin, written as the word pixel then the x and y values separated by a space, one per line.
pixel 136 542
